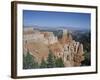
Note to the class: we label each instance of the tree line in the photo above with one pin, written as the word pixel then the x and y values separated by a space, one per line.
pixel 29 61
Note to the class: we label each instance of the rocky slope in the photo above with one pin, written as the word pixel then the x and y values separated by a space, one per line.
pixel 66 48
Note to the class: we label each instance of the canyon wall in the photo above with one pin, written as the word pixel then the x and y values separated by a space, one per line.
pixel 39 43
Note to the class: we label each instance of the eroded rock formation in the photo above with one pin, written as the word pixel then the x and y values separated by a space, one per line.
pixel 39 44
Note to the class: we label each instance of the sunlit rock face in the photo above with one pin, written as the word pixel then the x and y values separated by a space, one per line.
pixel 39 43
pixel 72 50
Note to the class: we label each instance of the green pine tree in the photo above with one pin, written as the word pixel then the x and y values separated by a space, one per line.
pixel 43 64
pixel 29 61
pixel 50 60
pixel 59 62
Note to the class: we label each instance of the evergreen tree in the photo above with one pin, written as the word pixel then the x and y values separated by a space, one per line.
pixel 29 61
pixel 59 62
pixel 50 60
pixel 43 64
pixel 87 60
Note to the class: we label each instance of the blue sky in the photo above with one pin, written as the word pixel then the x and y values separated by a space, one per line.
pixel 56 19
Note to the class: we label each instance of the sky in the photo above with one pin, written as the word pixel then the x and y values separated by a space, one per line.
pixel 56 19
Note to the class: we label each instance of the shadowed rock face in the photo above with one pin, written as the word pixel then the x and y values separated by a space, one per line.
pixel 66 48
